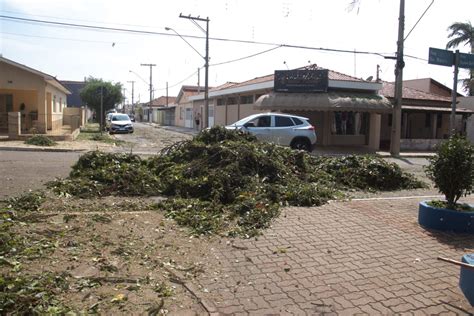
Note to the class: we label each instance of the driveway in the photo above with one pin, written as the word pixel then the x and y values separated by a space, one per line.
pixel 361 256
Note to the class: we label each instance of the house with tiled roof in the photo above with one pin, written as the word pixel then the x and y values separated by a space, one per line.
pixel 184 107
pixel 347 112
pixel 425 115
pixel 162 110
pixel 30 100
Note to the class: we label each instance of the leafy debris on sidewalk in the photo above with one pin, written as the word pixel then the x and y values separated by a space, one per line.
pixel 226 181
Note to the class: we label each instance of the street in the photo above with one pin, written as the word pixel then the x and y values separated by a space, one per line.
pixel 24 170
pixel 147 139
pixel 21 171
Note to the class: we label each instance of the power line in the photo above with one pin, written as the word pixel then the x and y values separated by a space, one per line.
pixel 180 82
pixel 56 38
pixel 114 29
pixel 246 57
pixel 80 20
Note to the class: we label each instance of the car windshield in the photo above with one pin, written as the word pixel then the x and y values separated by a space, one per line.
pixel 122 117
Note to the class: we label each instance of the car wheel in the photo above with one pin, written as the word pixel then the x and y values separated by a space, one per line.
pixel 301 144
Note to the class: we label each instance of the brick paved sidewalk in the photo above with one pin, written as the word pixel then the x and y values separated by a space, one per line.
pixel 344 258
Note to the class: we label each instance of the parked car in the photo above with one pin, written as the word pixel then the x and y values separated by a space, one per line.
pixel 120 123
pixel 132 117
pixel 282 129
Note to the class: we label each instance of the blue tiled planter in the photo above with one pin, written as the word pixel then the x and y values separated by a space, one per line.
pixel 466 279
pixel 444 219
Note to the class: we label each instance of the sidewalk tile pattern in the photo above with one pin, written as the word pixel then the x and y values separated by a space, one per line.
pixel 343 258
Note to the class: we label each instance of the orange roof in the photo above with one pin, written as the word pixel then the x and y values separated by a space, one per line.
pixel 161 101
pixel 388 91
pixel 333 75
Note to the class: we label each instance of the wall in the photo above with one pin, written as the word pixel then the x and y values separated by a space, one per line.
pixel 70 113
pixel 59 102
pixel 419 144
pixel 29 98
pixel 15 80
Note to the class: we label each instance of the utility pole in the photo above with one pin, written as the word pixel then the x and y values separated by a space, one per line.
pixel 397 108
pixel 151 88
pixel 101 108
pixel 206 65
pixel 454 92
pixel 199 80
pixel 166 93
pixel 133 92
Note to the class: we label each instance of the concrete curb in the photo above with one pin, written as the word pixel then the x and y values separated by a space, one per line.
pixel 41 149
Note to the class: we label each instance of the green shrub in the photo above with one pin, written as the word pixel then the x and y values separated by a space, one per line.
pixel 40 140
pixel 452 169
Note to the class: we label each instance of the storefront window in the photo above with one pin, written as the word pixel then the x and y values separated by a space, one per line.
pixel 349 123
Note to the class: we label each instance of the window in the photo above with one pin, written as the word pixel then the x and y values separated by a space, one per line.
pixel 281 121
pixel 427 120
pixel 231 100
pixel 220 101
pixel 246 99
pixel 262 121
pixel 60 104
pixel 439 120
pixel 390 120
pixel 297 121
pixel 348 123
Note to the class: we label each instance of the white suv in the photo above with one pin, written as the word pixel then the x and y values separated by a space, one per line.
pixel 281 129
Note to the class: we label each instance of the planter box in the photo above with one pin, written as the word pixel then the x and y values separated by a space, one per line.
pixel 466 279
pixel 444 219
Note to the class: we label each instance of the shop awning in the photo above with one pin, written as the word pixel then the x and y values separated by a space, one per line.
pixel 415 108
pixel 332 101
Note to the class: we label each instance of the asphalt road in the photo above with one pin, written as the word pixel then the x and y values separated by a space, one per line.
pixel 21 171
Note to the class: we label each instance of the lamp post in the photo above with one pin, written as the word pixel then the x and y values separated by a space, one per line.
pixel 206 59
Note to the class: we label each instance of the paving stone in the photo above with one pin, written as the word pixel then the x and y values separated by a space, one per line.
pixel 367 257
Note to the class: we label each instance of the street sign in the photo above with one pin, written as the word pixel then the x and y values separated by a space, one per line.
pixel 441 57
pixel 466 60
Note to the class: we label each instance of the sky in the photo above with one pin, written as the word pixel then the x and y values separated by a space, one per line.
pixel 72 53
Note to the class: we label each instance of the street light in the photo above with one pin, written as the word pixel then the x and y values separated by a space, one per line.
pixel 206 59
pixel 171 29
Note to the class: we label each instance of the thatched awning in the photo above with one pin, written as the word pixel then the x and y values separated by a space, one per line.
pixel 332 101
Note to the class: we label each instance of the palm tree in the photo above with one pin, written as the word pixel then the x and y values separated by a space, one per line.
pixel 463 33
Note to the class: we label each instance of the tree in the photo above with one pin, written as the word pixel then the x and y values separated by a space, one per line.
pixel 111 95
pixel 463 33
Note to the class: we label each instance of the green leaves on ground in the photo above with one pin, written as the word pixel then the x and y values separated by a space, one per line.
pixel 226 182
pixel 40 140
pixel 28 295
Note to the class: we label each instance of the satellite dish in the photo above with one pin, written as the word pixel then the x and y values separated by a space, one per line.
pixel 369 78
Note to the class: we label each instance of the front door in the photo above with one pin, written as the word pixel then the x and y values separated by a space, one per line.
pixel 6 105
pixel 188 118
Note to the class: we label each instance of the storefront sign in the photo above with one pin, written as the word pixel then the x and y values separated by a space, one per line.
pixel 301 80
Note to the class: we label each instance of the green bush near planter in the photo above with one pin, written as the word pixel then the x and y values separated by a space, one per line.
pixel 40 140
pixel 452 169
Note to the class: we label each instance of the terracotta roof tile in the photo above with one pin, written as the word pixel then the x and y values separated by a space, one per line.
pixel 161 101
pixel 410 93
